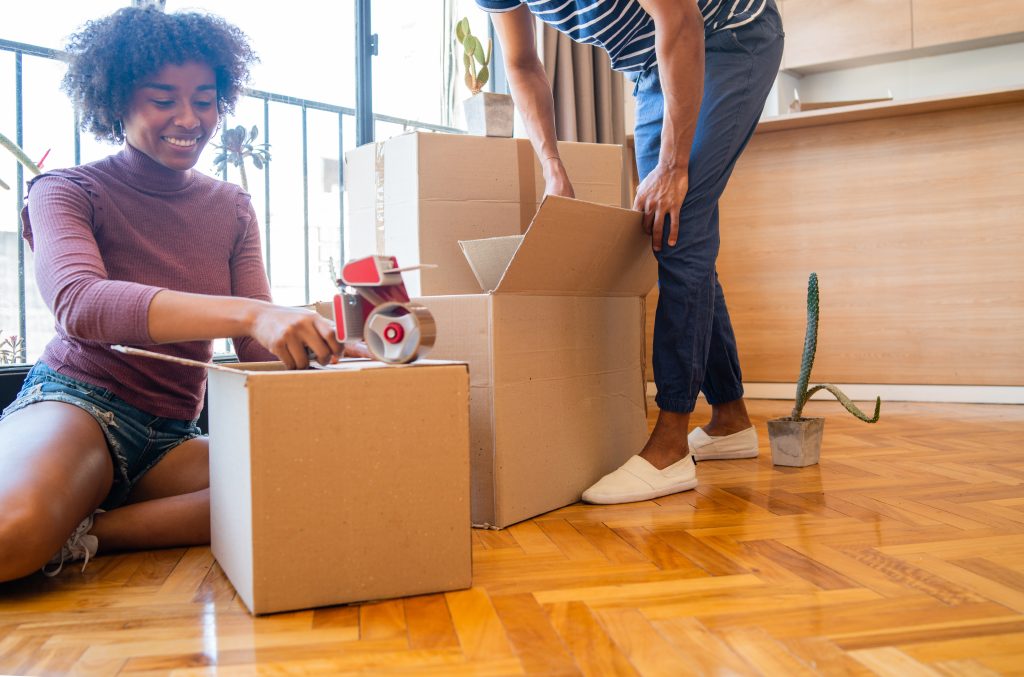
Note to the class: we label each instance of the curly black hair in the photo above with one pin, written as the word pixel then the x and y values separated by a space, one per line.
pixel 109 57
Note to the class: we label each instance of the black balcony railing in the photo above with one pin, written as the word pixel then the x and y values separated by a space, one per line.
pixel 21 50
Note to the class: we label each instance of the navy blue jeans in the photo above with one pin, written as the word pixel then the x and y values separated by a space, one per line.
pixel 694 345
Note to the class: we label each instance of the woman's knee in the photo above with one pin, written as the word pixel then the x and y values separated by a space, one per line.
pixel 31 531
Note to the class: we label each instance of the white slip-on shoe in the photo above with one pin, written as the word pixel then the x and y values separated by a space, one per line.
pixel 638 480
pixel 704 447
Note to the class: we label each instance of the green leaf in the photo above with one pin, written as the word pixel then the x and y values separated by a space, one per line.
pixel 467 61
pixel 478 52
pixel 482 76
pixel 253 133
pixel 470 44
pixel 257 162
pixel 470 82
pixel 462 29
pixel 846 402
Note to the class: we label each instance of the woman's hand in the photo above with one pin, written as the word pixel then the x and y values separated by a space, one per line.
pixel 288 332
pixel 358 350
pixel 661 194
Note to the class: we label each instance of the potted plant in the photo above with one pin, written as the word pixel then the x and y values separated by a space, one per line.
pixel 12 350
pixel 487 113
pixel 235 146
pixel 17 152
pixel 795 440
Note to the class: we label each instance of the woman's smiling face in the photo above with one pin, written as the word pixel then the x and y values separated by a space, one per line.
pixel 173 114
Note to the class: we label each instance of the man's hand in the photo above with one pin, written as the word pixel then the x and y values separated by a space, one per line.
pixel 661 194
pixel 556 179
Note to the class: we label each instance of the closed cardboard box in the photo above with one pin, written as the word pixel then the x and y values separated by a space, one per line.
pixel 554 339
pixel 339 485
pixel 416 196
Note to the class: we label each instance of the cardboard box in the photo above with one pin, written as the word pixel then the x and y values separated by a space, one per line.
pixel 417 195
pixel 555 347
pixel 339 485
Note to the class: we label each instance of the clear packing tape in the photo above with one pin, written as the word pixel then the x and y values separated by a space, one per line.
pixel 378 198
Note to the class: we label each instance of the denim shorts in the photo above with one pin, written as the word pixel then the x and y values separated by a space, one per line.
pixel 137 441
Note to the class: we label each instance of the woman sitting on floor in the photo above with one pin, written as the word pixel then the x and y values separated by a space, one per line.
pixel 137 248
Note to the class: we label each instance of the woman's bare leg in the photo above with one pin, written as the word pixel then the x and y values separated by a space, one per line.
pixel 169 507
pixel 55 469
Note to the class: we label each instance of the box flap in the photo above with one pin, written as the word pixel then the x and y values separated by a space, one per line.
pixel 581 248
pixel 246 368
pixel 489 257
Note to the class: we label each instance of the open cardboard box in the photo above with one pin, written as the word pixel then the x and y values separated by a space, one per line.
pixel 338 485
pixel 415 196
pixel 555 346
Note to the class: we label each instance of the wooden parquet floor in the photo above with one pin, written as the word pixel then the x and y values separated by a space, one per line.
pixel 901 553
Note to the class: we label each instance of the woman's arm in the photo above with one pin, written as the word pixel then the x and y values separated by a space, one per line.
pixel 70 273
pixel 255 324
pixel 287 332
pixel 679 45
pixel 249 276
pixel 88 305
pixel 532 94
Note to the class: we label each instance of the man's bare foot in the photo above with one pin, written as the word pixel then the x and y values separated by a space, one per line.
pixel 727 418
pixel 667 443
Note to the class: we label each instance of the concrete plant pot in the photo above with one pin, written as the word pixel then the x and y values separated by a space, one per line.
pixel 489 114
pixel 795 443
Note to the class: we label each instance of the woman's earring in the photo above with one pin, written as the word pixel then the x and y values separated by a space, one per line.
pixel 118 131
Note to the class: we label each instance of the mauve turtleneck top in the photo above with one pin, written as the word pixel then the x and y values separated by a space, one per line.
pixel 107 237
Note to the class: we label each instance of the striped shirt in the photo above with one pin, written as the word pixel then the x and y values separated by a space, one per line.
pixel 622 27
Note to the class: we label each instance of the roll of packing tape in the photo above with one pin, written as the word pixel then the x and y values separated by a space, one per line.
pixel 399 332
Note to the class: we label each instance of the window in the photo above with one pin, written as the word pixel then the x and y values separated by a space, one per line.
pixel 417 74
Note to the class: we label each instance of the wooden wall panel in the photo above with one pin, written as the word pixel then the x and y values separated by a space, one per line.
pixel 819 31
pixel 938 22
pixel 915 226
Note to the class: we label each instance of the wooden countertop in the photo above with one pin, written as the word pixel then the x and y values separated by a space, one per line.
pixel 885 109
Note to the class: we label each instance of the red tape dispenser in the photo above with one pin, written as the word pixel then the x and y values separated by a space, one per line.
pixel 372 305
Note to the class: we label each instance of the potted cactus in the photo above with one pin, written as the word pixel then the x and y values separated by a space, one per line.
pixel 487 113
pixel 795 440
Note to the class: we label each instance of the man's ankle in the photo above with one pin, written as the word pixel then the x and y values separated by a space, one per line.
pixel 667 443
pixel 728 418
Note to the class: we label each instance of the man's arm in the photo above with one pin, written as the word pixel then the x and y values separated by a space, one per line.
pixel 679 45
pixel 532 94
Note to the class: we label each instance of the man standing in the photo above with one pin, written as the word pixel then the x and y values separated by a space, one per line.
pixel 703 69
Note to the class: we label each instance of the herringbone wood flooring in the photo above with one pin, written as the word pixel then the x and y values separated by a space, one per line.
pixel 902 553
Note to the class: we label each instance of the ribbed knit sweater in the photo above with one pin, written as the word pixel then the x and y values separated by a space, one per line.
pixel 107 237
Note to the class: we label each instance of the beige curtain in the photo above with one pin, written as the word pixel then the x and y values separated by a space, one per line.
pixel 588 93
